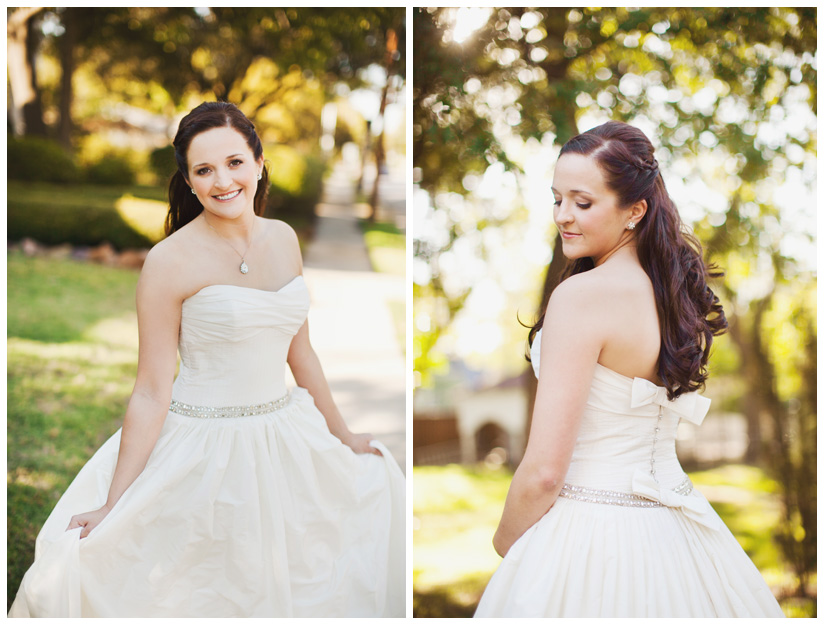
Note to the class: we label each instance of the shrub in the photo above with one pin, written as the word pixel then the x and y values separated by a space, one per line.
pixel 81 216
pixel 296 182
pixel 162 162
pixel 111 169
pixel 37 158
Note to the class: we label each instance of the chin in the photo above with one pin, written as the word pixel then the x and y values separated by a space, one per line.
pixel 572 254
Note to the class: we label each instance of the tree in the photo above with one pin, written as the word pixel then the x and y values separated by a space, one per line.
pixel 182 50
pixel 26 110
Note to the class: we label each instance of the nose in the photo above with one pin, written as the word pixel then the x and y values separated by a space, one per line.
pixel 563 215
pixel 222 178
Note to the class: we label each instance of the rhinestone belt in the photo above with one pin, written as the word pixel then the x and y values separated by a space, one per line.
pixel 228 411
pixel 620 498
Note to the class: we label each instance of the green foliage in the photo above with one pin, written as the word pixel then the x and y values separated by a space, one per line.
pixel 111 169
pixel 162 163
pixel 84 215
pixel 39 159
pixel 296 182
pixel 105 164
pixel 72 357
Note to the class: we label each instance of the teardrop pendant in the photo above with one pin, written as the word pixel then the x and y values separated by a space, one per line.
pixel 244 267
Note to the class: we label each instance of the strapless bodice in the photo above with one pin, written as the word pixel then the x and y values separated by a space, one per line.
pixel 234 342
pixel 628 431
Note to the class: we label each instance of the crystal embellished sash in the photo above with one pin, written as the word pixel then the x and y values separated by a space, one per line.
pixel 621 498
pixel 229 411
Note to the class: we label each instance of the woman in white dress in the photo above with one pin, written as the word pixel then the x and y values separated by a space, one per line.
pixel 224 495
pixel 600 520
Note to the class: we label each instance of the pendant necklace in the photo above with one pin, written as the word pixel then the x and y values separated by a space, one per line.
pixel 244 268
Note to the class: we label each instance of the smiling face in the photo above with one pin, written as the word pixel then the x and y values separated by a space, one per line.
pixel 223 171
pixel 587 212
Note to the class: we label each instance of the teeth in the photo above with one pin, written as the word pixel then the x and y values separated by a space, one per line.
pixel 228 196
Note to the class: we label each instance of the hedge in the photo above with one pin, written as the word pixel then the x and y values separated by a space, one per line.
pixel 37 158
pixel 84 215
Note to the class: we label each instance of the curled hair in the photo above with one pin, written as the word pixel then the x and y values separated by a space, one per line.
pixel 184 206
pixel 690 314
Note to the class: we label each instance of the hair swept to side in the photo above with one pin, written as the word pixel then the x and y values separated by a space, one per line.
pixel 184 206
pixel 690 314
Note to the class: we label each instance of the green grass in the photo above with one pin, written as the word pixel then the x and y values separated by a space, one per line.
pixel 456 510
pixel 72 358
pixel 387 247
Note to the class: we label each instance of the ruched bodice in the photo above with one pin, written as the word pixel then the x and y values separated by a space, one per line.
pixel 234 342
pixel 627 436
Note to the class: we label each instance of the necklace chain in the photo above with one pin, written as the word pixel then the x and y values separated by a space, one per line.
pixel 244 268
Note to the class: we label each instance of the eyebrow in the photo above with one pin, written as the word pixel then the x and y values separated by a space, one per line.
pixel 229 157
pixel 574 191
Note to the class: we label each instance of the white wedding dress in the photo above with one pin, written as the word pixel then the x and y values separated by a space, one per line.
pixel 247 507
pixel 629 536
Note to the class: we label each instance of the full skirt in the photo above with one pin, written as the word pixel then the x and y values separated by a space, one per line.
pixel 259 516
pixel 586 559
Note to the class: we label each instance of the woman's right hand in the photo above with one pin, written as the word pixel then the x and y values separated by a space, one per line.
pixel 87 521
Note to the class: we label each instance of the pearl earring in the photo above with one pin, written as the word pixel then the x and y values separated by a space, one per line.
pixel 193 191
pixel 260 176
pixel 631 226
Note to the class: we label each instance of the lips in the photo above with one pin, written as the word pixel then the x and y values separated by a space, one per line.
pixel 228 196
pixel 570 235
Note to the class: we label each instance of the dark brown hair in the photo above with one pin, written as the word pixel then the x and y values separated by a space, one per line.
pixel 184 206
pixel 690 314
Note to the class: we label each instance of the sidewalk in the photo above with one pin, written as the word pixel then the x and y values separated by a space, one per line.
pixel 350 324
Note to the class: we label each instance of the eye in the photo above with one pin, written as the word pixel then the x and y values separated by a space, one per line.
pixel 202 171
pixel 235 162
pixel 556 202
pixel 586 205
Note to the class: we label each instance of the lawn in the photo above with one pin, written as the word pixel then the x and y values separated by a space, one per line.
pixel 456 510
pixel 72 358
pixel 387 249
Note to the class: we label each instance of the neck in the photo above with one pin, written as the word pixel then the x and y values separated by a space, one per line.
pixel 240 227
pixel 625 249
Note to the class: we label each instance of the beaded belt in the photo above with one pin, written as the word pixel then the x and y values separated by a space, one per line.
pixel 621 498
pixel 228 411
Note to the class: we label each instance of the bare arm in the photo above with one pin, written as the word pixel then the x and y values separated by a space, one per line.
pixel 571 343
pixel 159 312
pixel 307 371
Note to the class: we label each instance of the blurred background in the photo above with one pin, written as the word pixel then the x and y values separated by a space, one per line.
pixel 94 98
pixel 728 97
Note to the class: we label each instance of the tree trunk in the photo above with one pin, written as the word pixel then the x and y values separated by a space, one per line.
pixel 380 155
pixel 750 401
pixel 26 113
pixel 67 48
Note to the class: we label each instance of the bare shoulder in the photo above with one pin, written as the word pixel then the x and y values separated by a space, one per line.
pixel 587 303
pixel 165 270
pixel 578 293
pixel 282 241
pixel 280 231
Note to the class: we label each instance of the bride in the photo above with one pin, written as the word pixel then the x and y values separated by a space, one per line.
pixel 224 495
pixel 600 520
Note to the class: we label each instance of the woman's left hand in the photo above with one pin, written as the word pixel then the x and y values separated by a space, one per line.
pixel 360 443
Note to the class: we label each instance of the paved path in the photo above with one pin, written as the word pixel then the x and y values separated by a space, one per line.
pixel 350 324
